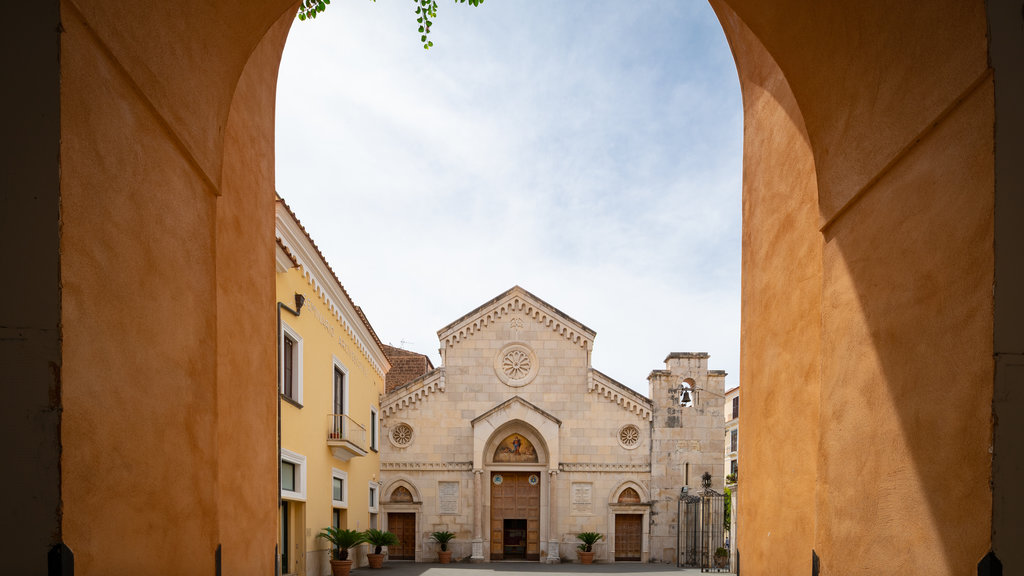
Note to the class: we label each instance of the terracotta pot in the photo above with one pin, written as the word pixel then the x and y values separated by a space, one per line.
pixel 586 557
pixel 375 560
pixel 444 556
pixel 341 567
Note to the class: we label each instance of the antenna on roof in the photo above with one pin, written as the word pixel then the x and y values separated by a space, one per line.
pixel 402 343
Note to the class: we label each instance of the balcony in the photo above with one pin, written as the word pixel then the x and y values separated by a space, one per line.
pixel 345 438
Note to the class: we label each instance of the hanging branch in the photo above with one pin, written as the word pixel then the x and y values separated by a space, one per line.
pixel 426 11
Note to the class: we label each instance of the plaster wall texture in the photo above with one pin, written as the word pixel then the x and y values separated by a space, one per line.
pixel 153 287
pixel 780 320
pixel 246 368
pixel 860 312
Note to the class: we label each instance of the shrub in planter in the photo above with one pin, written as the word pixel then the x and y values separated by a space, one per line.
pixel 444 556
pixel 341 540
pixel 585 550
pixel 378 539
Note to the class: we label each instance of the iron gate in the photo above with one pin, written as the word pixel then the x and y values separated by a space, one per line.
pixel 701 530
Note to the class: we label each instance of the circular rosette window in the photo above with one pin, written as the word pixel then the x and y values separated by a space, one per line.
pixel 629 436
pixel 516 365
pixel 401 435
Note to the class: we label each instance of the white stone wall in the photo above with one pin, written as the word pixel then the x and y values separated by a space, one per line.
pixel 573 414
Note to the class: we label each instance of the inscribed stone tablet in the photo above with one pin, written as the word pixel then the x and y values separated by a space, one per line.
pixel 448 497
pixel 582 498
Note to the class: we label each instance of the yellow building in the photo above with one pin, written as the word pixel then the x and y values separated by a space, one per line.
pixel 331 375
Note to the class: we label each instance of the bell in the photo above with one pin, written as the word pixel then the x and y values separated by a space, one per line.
pixel 685 398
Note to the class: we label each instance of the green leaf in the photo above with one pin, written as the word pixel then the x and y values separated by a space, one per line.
pixel 423 38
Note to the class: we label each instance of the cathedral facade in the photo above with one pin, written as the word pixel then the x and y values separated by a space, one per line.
pixel 515 443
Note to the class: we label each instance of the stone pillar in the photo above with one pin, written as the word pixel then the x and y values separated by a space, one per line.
pixel 553 557
pixel 478 518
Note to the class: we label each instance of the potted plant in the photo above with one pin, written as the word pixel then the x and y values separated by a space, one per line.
pixel 444 556
pixel 721 557
pixel 585 551
pixel 342 540
pixel 378 539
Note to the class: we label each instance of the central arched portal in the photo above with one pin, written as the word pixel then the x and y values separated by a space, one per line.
pixel 515 464
pixel 515 500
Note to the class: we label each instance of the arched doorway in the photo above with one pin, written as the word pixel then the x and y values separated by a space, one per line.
pixel 516 457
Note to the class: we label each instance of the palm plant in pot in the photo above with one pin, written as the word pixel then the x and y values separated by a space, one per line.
pixel 341 541
pixel 585 550
pixel 444 555
pixel 378 539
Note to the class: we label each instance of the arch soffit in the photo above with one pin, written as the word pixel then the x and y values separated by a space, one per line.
pixel 404 482
pixel 614 496
pixel 516 415
pixel 885 108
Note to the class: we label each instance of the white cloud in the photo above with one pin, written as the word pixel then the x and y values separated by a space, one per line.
pixel 588 151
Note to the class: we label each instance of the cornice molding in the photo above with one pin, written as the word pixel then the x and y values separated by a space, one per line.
pixel 517 300
pixel 613 391
pixel 292 237
pixel 412 393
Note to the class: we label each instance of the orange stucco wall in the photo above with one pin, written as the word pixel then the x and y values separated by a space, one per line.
pixel 868 288
pixel 781 298
pixel 169 393
pixel 247 369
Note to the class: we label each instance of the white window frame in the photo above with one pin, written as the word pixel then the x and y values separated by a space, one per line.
pixel 374 497
pixel 337 364
pixel 299 461
pixel 343 476
pixel 296 362
pixel 374 429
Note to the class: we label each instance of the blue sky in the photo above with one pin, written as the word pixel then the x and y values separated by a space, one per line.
pixel 588 151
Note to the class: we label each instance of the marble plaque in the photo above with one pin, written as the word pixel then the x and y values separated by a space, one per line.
pixel 582 498
pixel 448 497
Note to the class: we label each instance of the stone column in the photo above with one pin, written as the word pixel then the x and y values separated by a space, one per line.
pixel 478 518
pixel 553 557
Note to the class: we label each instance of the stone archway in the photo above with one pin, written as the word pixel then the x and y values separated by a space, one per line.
pixel 516 460
pixel 868 134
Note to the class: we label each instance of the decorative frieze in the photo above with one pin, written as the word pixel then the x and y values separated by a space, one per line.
pixel 602 467
pixel 427 466
pixel 414 392
pixel 517 304
pixel 598 383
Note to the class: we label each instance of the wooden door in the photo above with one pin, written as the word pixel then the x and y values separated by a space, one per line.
pixel 629 535
pixel 515 496
pixel 403 525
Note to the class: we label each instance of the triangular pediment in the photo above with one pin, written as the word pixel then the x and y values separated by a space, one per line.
pixel 515 404
pixel 520 303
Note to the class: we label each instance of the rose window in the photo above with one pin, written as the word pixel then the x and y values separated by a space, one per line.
pixel 516 364
pixel 401 435
pixel 629 436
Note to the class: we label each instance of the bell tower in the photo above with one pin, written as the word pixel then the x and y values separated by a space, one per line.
pixel 687 439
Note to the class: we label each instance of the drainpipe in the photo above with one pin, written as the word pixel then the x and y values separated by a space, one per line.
pixel 299 301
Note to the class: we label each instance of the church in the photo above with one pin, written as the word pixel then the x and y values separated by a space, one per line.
pixel 515 443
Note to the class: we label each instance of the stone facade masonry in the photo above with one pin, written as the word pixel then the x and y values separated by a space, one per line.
pixel 518 367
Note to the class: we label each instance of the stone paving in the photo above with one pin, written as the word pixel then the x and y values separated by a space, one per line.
pixel 399 568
